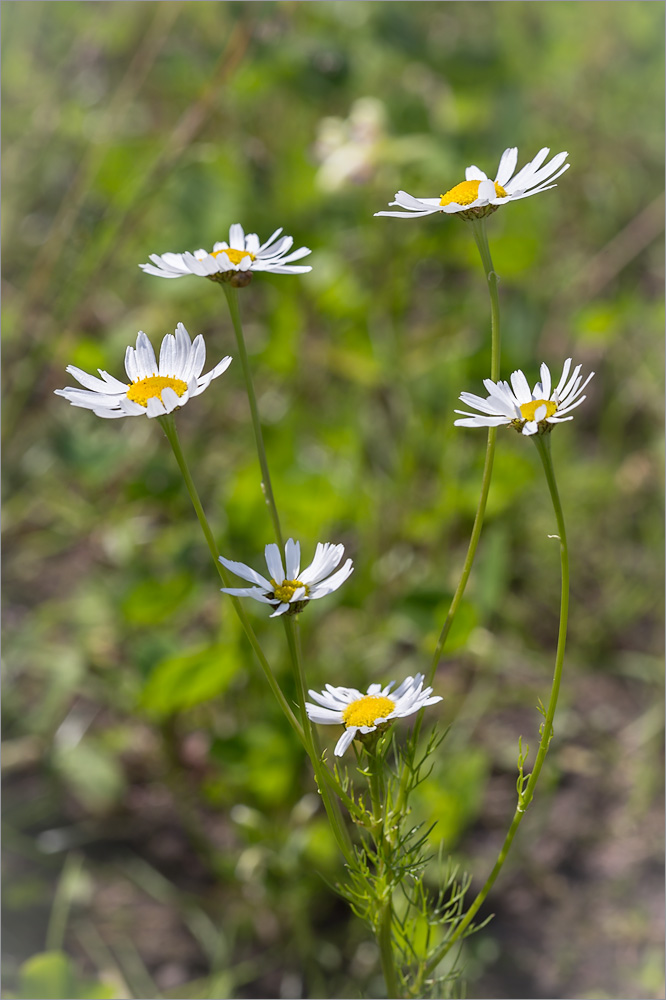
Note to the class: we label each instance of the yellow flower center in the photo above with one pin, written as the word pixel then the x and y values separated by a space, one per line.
pixel 467 192
pixel 286 590
pixel 529 409
pixel 143 390
pixel 364 711
pixel 235 256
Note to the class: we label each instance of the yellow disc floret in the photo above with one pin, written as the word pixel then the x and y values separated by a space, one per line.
pixel 364 711
pixel 467 192
pixel 147 388
pixel 286 590
pixel 529 409
pixel 235 256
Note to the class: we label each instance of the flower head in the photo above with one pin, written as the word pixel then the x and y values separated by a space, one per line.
pixel 291 590
pixel 233 261
pixel 154 389
pixel 364 713
pixel 529 411
pixel 477 195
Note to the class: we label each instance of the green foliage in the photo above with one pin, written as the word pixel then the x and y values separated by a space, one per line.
pixel 190 678
pixel 51 975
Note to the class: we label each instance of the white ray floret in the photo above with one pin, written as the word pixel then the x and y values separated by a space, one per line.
pixel 287 586
pixel 528 410
pixel 477 195
pixel 156 388
pixel 363 713
pixel 242 253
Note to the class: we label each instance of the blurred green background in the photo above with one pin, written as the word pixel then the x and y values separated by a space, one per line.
pixel 162 836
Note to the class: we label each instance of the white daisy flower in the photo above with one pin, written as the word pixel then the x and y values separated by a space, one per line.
pixel 154 389
pixel 363 713
pixel 477 195
pixel 529 411
pixel 291 590
pixel 233 261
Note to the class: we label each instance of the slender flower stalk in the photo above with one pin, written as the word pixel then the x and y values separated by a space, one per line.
pixel 386 951
pixel 377 783
pixel 322 773
pixel 169 427
pixel 526 786
pixel 481 239
pixel 234 308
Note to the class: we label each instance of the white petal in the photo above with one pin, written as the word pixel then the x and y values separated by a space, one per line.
pixel 524 175
pixel 567 409
pixel 507 165
pixel 327 557
pixel 195 361
pixel 131 365
pixel 405 200
pixel 167 355
pixel 145 356
pixel 256 593
pixel 486 192
pixel 484 405
pixel 280 611
pixel 155 408
pixel 204 380
pixel 407 685
pixel 110 414
pixel 246 573
pixel 565 375
pixel 274 269
pixel 329 701
pixel 171 400
pixel 274 563
pixel 292 558
pixel 333 582
pixel 323 716
pixel 130 408
pixel 473 173
pixel 270 239
pixel 521 387
pixel 571 385
pixel 296 255
pixel 546 173
pixel 236 236
pixel 480 421
pixel 279 249
pixel 407 215
pixel 345 741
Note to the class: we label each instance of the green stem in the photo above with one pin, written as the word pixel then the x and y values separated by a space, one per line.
pixel 267 488
pixel 385 938
pixel 169 426
pixel 481 239
pixel 330 804
pixel 542 442
pixel 376 780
